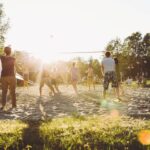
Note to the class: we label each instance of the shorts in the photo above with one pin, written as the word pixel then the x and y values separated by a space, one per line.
pixel 110 77
pixel 90 80
pixel 74 79
pixel 45 81
pixel 53 82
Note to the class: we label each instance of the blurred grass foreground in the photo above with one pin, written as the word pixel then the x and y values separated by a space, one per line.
pixel 77 133
pixel 11 132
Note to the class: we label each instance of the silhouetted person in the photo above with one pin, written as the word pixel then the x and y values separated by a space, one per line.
pixel 90 77
pixel 8 78
pixel 74 77
pixel 109 73
pixel 45 79
pixel 118 75
pixel 54 79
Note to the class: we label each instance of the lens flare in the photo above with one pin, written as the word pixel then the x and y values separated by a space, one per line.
pixel 104 103
pixel 114 113
pixel 144 137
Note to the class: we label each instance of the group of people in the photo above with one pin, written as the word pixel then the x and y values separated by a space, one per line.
pixel 50 79
pixel 110 72
pixel 109 69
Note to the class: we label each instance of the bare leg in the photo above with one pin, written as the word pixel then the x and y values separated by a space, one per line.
pixel 41 86
pixel 104 94
pixel 89 84
pixel 93 85
pixel 74 86
pixel 117 92
pixel 121 89
pixel 51 88
pixel 56 87
pixel 40 89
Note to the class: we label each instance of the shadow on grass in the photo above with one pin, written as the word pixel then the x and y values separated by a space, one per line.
pixel 31 136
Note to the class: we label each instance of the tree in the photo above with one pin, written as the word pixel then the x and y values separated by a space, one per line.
pixel 133 43
pixel 96 67
pixel 4 25
pixel 146 43
pixel 114 46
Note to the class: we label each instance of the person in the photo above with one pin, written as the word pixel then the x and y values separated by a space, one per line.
pixel 26 76
pixel 90 75
pixel 95 80
pixel 118 74
pixel 140 79
pixel 45 79
pixel 54 79
pixel 8 79
pixel 129 81
pixel 108 72
pixel 74 77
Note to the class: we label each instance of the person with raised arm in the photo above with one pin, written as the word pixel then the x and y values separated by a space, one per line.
pixel 45 79
pixel 8 79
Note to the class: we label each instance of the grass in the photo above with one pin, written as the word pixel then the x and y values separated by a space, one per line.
pixel 105 132
pixel 148 82
pixel 77 132
pixel 11 132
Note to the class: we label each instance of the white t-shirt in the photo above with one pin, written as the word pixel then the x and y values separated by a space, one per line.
pixel 108 64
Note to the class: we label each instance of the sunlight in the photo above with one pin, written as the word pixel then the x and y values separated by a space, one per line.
pixel 47 57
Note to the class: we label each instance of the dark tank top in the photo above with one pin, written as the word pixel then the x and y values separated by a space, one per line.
pixel 8 64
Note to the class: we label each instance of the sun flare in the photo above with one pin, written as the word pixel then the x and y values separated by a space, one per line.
pixel 48 57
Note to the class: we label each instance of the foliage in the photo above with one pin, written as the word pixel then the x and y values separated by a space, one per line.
pixel 146 41
pixel 133 54
pixel 4 25
pixel 105 132
pixel 114 46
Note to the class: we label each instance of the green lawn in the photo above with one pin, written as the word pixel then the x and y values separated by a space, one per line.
pixel 105 132
pixel 77 133
pixel 11 132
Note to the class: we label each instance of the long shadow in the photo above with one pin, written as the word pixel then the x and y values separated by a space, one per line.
pixel 31 136
pixel 59 106
pixel 93 95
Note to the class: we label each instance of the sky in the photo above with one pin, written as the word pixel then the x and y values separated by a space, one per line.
pixel 47 27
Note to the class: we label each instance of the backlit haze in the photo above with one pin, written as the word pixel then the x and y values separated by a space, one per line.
pixel 46 28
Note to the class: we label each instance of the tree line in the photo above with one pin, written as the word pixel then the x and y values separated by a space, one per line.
pixel 133 54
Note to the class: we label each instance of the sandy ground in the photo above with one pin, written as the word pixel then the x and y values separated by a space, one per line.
pixel 30 106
